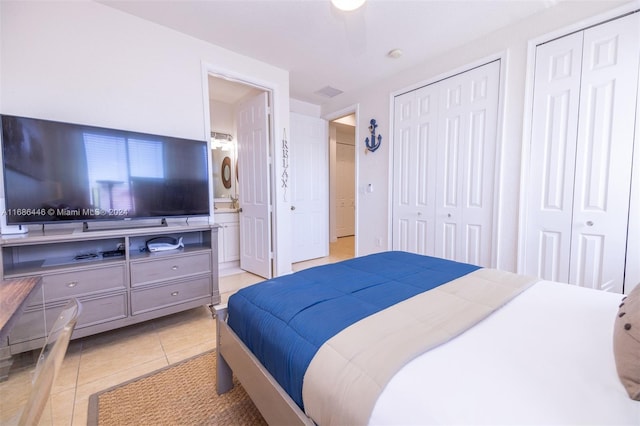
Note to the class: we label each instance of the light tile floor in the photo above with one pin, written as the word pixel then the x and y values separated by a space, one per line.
pixel 98 362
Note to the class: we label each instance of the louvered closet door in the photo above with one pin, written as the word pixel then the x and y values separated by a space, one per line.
pixel 414 170
pixel 444 154
pixel 465 165
pixel 584 109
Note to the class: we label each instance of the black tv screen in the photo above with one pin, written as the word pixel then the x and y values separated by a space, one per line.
pixel 60 172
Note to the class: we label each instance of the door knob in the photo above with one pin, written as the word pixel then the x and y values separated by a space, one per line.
pixel 240 210
pixel 293 208
pixel 589 223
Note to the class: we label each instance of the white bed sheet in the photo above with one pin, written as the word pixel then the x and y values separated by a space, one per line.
pixel 545 358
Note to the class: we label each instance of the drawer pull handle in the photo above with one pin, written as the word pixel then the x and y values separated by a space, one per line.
pixel 175 293
pixel 174 268
pixel 72 284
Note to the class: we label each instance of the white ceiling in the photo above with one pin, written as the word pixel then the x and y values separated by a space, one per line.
pixel 321 46
pixel 229 92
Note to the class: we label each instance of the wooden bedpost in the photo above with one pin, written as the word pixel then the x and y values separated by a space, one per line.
pixel 224 375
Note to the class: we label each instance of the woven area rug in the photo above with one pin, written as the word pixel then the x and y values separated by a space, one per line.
pixel 180 394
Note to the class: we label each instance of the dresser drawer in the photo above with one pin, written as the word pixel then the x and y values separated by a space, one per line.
pixel 95 310
pixel 163 269
pixel 72 284
pixel 148 299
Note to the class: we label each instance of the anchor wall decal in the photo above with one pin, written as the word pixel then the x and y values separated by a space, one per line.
pixel 374 143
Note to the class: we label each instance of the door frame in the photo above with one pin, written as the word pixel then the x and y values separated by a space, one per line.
pixel 525 157
pixel 271 89
pixel 352 109
pixel 499 147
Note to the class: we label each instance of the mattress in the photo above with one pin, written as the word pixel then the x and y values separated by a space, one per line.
pixel 544 358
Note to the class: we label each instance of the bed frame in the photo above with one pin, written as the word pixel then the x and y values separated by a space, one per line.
pixel 233 357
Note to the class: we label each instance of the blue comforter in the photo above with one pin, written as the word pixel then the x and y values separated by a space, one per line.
pixel 285 320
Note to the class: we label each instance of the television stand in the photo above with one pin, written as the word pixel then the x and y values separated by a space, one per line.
pixel 127 288
pixel 163 223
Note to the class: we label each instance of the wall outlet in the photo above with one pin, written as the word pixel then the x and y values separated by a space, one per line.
pixel 378 242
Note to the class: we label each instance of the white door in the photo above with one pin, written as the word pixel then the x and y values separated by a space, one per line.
pixel 552 158
pixel 468 114
pixel 604 154
pixel 309 181
pixel 585 91
pixel 253 182
pixel 632 271
pixel 414 170
pixel 345 190
pixel 443 167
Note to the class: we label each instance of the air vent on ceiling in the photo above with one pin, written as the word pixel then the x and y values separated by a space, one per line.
pixel 329 91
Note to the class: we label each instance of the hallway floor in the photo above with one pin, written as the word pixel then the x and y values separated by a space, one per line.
pixel 98 362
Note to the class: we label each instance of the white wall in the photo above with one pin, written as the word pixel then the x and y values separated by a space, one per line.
pixel 305 108
pixel 374 101
pixel 81 61
pixel 222 119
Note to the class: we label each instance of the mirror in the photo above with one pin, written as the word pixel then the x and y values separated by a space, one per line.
pixel 226 172
pixel 224 177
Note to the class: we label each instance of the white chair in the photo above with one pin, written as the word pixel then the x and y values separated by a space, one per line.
pixel 49 363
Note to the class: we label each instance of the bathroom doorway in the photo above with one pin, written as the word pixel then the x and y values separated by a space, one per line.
pixel 240 134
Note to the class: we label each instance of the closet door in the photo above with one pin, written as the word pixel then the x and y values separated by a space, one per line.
pixel 443 167
pixel 465 165
pixel 345 188
pixel 608 92
pixel 632 270
pixel 584 108
pixel 553 150
pixel 414 170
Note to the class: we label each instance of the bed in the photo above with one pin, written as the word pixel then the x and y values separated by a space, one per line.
pixel 400 338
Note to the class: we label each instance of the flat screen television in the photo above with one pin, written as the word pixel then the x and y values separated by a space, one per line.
pixel 61 172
